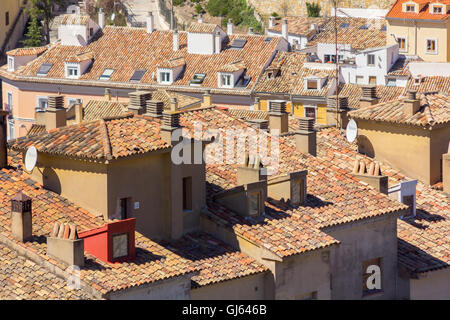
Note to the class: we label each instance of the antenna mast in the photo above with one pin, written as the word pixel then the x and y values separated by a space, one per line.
pixel 335 2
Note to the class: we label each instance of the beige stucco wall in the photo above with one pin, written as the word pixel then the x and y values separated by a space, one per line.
pixel 425 30
pixel 361 241
pixel 11 6
pixel 433 285
pixel 245 288
pixel 406 148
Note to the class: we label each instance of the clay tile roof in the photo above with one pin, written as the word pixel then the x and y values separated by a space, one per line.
pixel 202 27
pixel 435 109
pixel 233 66
pixel 80 57
pixel 423 241
pixel 249 114
pixel 360 33
pixel 383 93
pixel 436 84
pixel 396 11
pixel 184 101
pixel 292 71
pixel 216 260
pixel 100 139
pixel 172 63
pixel 23 279
pixel 300 25
pixel 27 51
pixel 100 109
pixel 401 66
pixel 334 197
pixel 36 129
pixel 126 50
pixel 75 19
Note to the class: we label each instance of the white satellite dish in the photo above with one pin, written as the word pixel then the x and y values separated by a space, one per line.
pixel 30 158
pixel 351 131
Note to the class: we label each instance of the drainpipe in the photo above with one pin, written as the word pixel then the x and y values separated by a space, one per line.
pixel 415 37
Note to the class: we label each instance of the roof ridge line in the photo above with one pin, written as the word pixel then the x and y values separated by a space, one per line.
pixel 106 141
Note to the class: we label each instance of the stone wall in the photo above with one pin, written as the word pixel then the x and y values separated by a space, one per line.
pixel 295 7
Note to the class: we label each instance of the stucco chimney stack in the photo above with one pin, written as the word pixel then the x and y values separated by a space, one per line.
pixel 21 223
pixel 371 174
pixel 173 104
pixel 64 244
pixel 78 112
pixel 278 117
pixel 369 96
pixel 108 94
pixel 138 101
pixel 217 42
pixel 250 171
pixel 411 104
pixel 55 115
pixel 446 170
pixel 207 99
pixel 176 42
pixel 3 144
pixel 305 137
pixel 171 122
pixel 230 27
pixel 155 108
pixel 150 22
pixel 284 29
pixel 101 18
pixel 340 113
pixel 257 104
pixel 271 22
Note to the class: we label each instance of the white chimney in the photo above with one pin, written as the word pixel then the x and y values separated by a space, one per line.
pixel 271 22
pixel 101 18
pixel 150 24
pixel 250 31
pixel 284 29
pixel 200 19
pixel 176 45
pixel 218 42
pixel 230 27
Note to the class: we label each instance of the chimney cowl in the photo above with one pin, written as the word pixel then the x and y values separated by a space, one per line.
pixel 369 91
pixel 21 217
pixel 150 22
pixel 138 101
pixel 176 42
pixel 412 94
pixel 155 108
pixel 305 137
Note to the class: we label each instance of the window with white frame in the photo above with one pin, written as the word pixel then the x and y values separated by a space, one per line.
pixel 106 75
pixel 10 63
pixel 72 71
pixel 9 101
pixel 41 103
pixel 370 59
pixel 11 133
pixel 431 46
pixel 310 112
pixel 164 77
pixel 225 80
pixel 410 8
pixel 437 9
pixel 359 80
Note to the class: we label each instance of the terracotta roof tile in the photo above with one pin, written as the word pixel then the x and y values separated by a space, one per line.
pixel 396 11
pixel 300 25
pixel 100 109
pixel 384 93
pixel 74 19
pixel 437 84
pixel 401 66
pixel 27 51
pixel 202 27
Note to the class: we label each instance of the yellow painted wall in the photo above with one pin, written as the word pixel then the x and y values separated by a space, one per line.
pixel 11 6
pixel 299 110
pixel 321 114
pixel 425 30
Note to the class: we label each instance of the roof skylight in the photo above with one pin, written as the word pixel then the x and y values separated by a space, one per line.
pixel 107 73
pixel 137 75
pixel 238 43
pixel 345 25
pixel 44 69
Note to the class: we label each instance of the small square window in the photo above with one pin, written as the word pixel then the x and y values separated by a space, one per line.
pixel 431 45
pixel 311 84
pixel 310 112
pixel 370 59
pixel 120 245
pixel 401 43
pixel 226 80
pixel 106 75
pixel 410 8
pixel 42 104
pixel 372 80
pixel 72 72
pixel 164 77
pixel 437 9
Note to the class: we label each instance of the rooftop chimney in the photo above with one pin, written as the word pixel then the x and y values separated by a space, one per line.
pixel 271 22
pixel 341 112
pixel 176 43
pixel 173 104
pixel 230 27
pixel 171 122
pixel 3 144
pixel 207 99
pixel 21 224
pixel 108 94
pixel 138 101
pixel 284 29
pixel 155 108
pixel 78 112
pixel 200 18
pixel 290 186
pixel 150 24
pixel 259 124
pixel 446 170
pixel 369 96
pixel 101 18
pixel 250 31
pixel 257 104
pixel 305 137
pixel 411 105
pixel 371 175
pixel 55 115
pixel 250 170
pixel 217 42
pixel 65 245
pixel 278 117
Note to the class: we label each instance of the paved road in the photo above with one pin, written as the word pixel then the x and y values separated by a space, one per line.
pixel 137 10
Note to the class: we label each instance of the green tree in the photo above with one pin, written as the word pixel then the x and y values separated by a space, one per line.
pixel 43 10
pixel 34 34
pixel 313 9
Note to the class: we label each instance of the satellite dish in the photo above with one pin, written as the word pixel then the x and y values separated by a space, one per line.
pixel 30 158
pixel 351 131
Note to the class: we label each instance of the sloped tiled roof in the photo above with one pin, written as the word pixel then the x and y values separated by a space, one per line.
pixel 126 50
pixel 401 66
pixel 100 139
pixel 184 101
pixel 359 38
pixel 300 25
pixel 436 84
pixel 100 109
pixel 384 94
pixel 249 114
pixel 396 11
pixel 292 73
pixel 435 109
pixel 423 241
pixel 75 19
pixel 23 279
pixel 202 27
pixel 36 129
pixel 26 51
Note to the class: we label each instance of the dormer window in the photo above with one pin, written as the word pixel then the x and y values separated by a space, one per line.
pixel 10 63
pixel 311 84
pixel 436 9
pixel 410 8
pixel 72 70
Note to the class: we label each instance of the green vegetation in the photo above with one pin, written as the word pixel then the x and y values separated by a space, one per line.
pixel 178 2
pixel 313 9
pixel 110 7
pixel 34 34
pixel 199 9
pixel 237 10
pixel 274 14
pixel 40 11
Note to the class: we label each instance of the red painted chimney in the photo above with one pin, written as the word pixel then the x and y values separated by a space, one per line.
pixel 113 242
